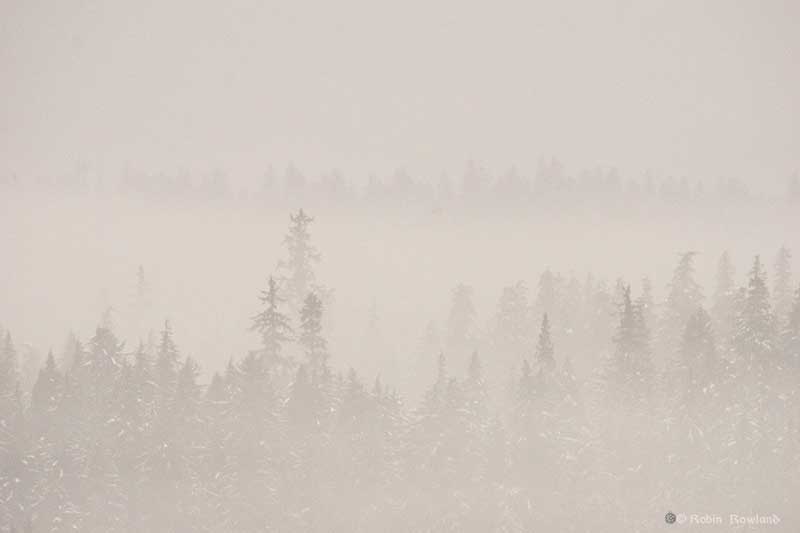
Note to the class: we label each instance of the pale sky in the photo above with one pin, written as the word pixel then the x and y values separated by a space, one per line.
pixel 683 88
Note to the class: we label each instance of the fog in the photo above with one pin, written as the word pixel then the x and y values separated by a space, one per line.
pixel 423 267
pixel 364 87
pixel 69 257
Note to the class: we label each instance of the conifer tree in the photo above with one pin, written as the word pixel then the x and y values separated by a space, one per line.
pixel 782 292
pixel 274 327
pixel 143 380
pixel 310 338
pixel 298 277
pixel 683 298
pixel 187 391
pixel 166 367
pixel 102 363
pixel 544 347
pixel 46 393
pixel 754 337
pixel 630 374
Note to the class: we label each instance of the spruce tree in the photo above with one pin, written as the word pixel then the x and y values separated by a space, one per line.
pixel 646 302
pixel 754 337
pixel 630 372
pixel 274 327
pixel 142 375
pixel 46 393
pixel 683 298
pixel 102 362
pixel 166 367
pixel 311 340
pixel 545 357
pixel 298 277
pixel 782 291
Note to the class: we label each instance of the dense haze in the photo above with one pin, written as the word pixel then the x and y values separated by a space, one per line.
pixel 424 267
pixel 672 87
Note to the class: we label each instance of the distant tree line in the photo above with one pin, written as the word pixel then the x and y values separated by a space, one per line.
pixel 476 187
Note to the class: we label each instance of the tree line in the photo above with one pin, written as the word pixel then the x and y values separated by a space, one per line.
pixel 691 408
pixel 476 187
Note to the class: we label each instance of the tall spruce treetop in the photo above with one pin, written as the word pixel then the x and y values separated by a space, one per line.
pixel 46 391
pixel 631 367
pixel 544 347
pixel 298 276
pixel 683 299
pixel 311 339
pixel 782 292
pixel 754 338
pixel 105 351
pixel 166 368
pixel 142 374
pixel 275 327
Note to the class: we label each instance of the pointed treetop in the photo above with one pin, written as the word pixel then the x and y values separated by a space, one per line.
pixel 544 347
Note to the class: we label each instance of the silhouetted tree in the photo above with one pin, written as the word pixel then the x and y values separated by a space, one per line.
pixel 754 337
pixel 298 277
pixel 683 298
pixel 545 357
pixel 274 326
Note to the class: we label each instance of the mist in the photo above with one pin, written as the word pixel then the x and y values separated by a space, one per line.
pixel 423 267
